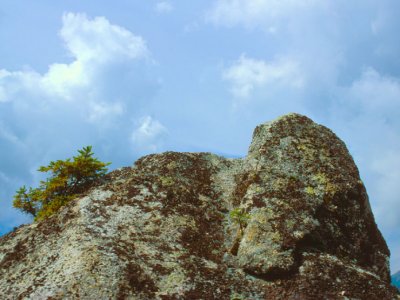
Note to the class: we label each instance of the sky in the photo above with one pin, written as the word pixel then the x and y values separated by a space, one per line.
pixel 136 77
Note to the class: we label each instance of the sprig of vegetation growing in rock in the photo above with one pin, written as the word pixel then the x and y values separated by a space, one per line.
pixel 236 296
pixel 240 217
pixel 68 178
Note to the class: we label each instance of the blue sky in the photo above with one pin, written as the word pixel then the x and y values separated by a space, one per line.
pixel 136 77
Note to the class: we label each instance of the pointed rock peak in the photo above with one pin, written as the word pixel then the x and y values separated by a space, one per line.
pixel 292 124
pixel 296 140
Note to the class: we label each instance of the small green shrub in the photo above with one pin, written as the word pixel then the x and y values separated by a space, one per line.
pixel 68 178
pixel 236 296
pixel 240 217
pixel 167 181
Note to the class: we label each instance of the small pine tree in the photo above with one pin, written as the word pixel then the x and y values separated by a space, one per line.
pixel 68 179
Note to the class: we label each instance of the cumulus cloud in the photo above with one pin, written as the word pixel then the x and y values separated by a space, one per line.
pixel 164 7
pixel 94 44
pixel 147 136
pixel 247 74
pixel 97 39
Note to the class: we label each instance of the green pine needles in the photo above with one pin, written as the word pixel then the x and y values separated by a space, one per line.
pixel 68 179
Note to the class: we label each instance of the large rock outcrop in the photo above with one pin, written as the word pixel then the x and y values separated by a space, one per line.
pixel 161 229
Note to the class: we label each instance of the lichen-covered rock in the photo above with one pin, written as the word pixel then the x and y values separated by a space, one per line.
pixel 161 229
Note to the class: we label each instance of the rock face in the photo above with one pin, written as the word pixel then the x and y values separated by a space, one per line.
pixel 161 229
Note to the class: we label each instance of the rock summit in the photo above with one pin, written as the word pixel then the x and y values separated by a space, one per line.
pixel 161 229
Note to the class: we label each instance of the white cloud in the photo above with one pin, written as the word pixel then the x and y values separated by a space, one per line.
pixel 62 79
pixel 11 83
pixel 164 7
pixel 99 40
pixel 148 134
pixel 101 111
pixel 247 74
pixel 95 45
pixel 376 94
pixel 255 12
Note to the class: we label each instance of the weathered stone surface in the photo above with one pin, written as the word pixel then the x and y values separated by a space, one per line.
pixel 160 229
